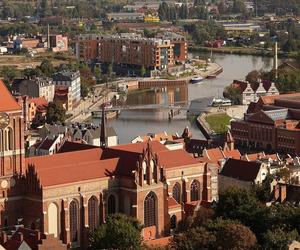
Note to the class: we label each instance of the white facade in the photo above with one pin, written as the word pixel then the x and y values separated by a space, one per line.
pixel 249 95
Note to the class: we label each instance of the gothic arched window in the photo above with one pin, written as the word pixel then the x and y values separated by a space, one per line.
pixel 176 192
pixel 111 204
pixel 73 209
pixel 93 217
pixel 195 190
pixel 150 210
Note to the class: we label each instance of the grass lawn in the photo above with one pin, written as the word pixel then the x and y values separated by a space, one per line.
pixel 218 122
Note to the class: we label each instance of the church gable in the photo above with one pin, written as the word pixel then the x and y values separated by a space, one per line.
pixel 261 117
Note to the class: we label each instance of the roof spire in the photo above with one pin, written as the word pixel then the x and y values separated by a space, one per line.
pixel 103 143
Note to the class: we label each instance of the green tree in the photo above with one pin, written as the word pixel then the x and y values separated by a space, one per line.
pixel 234 94
pixel 143 71
pixel 279 239
pixel 98 73
pixel 242 205
pixel 55 113
pixel 8 73
pixel 46 68
pixel 110 70
pixel 119 232
pixel 216 234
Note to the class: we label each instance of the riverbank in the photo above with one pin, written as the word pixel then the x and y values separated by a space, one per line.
pixel 241 51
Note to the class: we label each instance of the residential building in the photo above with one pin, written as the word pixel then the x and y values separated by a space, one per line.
pixel 271 124
pixel 37 109
pixel 180 49
pixel 251 92
pixel 68 194
pixel 125 16
pixel 36 87
pixel 126 49
pixel 241 174
pixel 64 97
pixel 58 43
pixel 241 27
pixel 71 80
pixel 83 133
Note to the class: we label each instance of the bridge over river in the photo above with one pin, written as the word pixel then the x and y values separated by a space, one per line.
pixel 192 107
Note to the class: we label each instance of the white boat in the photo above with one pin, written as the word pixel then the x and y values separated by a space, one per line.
pixel 216 102
pixel 196 79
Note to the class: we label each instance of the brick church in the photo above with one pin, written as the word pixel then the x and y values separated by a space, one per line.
pixel 67 195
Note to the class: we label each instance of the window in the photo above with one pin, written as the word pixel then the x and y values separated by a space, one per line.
pixel 93 217
pixel 73 221
pixel 176 192
pixel 173 222
pixel 150 210
pixel 111 204
pixel 195 190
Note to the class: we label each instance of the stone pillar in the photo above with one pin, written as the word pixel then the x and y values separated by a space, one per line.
pixel 85 228
pixel 45 218
pixel 66 237
pixel 102 205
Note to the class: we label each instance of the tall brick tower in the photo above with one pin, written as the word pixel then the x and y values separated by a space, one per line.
pixel 12 153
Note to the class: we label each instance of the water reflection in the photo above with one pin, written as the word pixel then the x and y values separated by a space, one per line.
pixel 133 123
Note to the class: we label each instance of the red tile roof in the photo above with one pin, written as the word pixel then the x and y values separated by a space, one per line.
pixel 242 170
pixel 69 146
pixel 97 163
pixel 7 101
pixel 38 101
pixel 176 158
pixel 215 154
pixel 172 202
pixel 235 154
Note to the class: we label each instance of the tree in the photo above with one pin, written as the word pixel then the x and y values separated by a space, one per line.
pixel 98 73
pixel 55 113
pixel 242 205
pixel 279 239
pixel 253 76
pixel 195 238
pixel 119 232
pixel 8 73
pixel 46 68
pixel 234 94
pixel 143 71
pixel 216 234
pixel 110 70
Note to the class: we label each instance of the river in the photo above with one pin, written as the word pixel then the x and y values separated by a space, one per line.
pixel 133 123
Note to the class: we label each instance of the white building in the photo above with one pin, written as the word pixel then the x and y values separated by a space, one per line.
pixel 252 92
pixel 37 87
pixel 71 80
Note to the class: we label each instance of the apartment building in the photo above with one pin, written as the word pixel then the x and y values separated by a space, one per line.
pixel 37 87
pixel 126 49
pixel 70 80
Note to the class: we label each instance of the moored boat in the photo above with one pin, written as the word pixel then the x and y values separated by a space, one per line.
pixel 196 79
